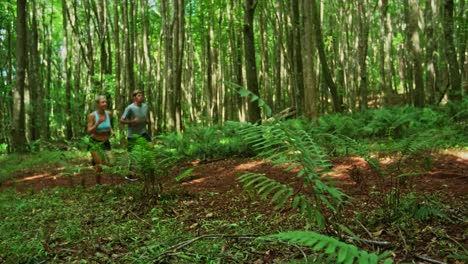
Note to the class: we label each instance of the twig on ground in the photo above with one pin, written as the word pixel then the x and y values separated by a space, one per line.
pixel 429 260
pixel 375 242
pixel 403 239
pixel 456 242
pixel 141 219
pixel 171 251
pixel 365 229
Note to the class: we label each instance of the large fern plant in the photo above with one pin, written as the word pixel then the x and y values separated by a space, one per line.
pixel 291 148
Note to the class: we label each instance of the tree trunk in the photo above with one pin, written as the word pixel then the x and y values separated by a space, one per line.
pixel 311 93
pixel 430 48
pixel 297 56
pixel 19 116
pixel 47 89
pixel 264 50
pixel 149 82
pixel 455 90
pixel 362 53
pixel 251 67
pixel 242 102
pixel 384 52
pixel 416 53
pixel 178 46
pixel 119 103
pixel 129 79
pixel 337 104
pixel 37 109
pixel 67 70
pixel 279 60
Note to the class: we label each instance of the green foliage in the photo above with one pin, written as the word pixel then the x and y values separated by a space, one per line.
pixel 394 123
pixel 152 163
pixel 3 148
pixel 68 225
pixel 341 252
pixel 184 175
pixel 397 207
pixel 206 142
pixel 290 147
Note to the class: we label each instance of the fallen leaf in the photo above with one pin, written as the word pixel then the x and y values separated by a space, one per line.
pixel 378 233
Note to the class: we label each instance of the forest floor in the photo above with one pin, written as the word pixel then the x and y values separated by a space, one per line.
pixel 449 175
pixel 216 187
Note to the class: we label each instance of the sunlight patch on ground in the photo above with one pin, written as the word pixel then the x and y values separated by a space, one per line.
pixel 40 176
pixel 35 177
pixel 200 180
pixel 342 169
pixel 388 160
pixel 462 155
pixel 250 165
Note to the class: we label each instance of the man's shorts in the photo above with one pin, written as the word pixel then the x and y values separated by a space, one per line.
pixel 132 140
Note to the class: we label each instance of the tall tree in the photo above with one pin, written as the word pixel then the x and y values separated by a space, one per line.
pixel 36 89
pixel 250 61
pixel 455 92
pixel 19 116
pixel 416 52
pixel 337 103
pixel 430 50
pixel 311 93
pixel 66 71
pixel 178 46
pixel 362 52
pixel 297 56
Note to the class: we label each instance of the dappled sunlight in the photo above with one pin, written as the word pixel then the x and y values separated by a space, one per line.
pixel 41 176
pixel 388 160
pixel 249 165
pixel 342 169
pixel 461 155
pixel 196 181
pixel 35 177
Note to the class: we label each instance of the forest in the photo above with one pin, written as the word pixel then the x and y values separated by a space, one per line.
pixel 233 131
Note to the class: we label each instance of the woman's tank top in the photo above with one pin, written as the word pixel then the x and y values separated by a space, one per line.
pixel 104 126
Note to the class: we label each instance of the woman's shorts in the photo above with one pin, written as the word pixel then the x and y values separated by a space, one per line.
pixel 97 145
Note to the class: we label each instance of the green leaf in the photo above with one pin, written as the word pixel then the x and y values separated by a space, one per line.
pixel 320 245
pixel 390 261
pixel 342 254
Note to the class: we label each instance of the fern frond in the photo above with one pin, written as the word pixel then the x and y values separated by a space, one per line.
pixel 291 147
pixel 281 193
pixel 343 252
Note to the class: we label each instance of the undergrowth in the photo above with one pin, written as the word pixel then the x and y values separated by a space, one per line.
pixel 107 224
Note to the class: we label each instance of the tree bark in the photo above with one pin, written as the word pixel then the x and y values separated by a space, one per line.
pixel 416 53
pixel 37 109
pixel 251 67
pixel 279 62
pixel 362 53
pixel 19 116
pixel 454 92
pixel 297 56
pixel 311 93
pixel 430 48
pixel 67 70
pixel 336 100
pixel 178 45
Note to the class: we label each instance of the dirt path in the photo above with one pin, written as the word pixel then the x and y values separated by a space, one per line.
pixel 449 174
